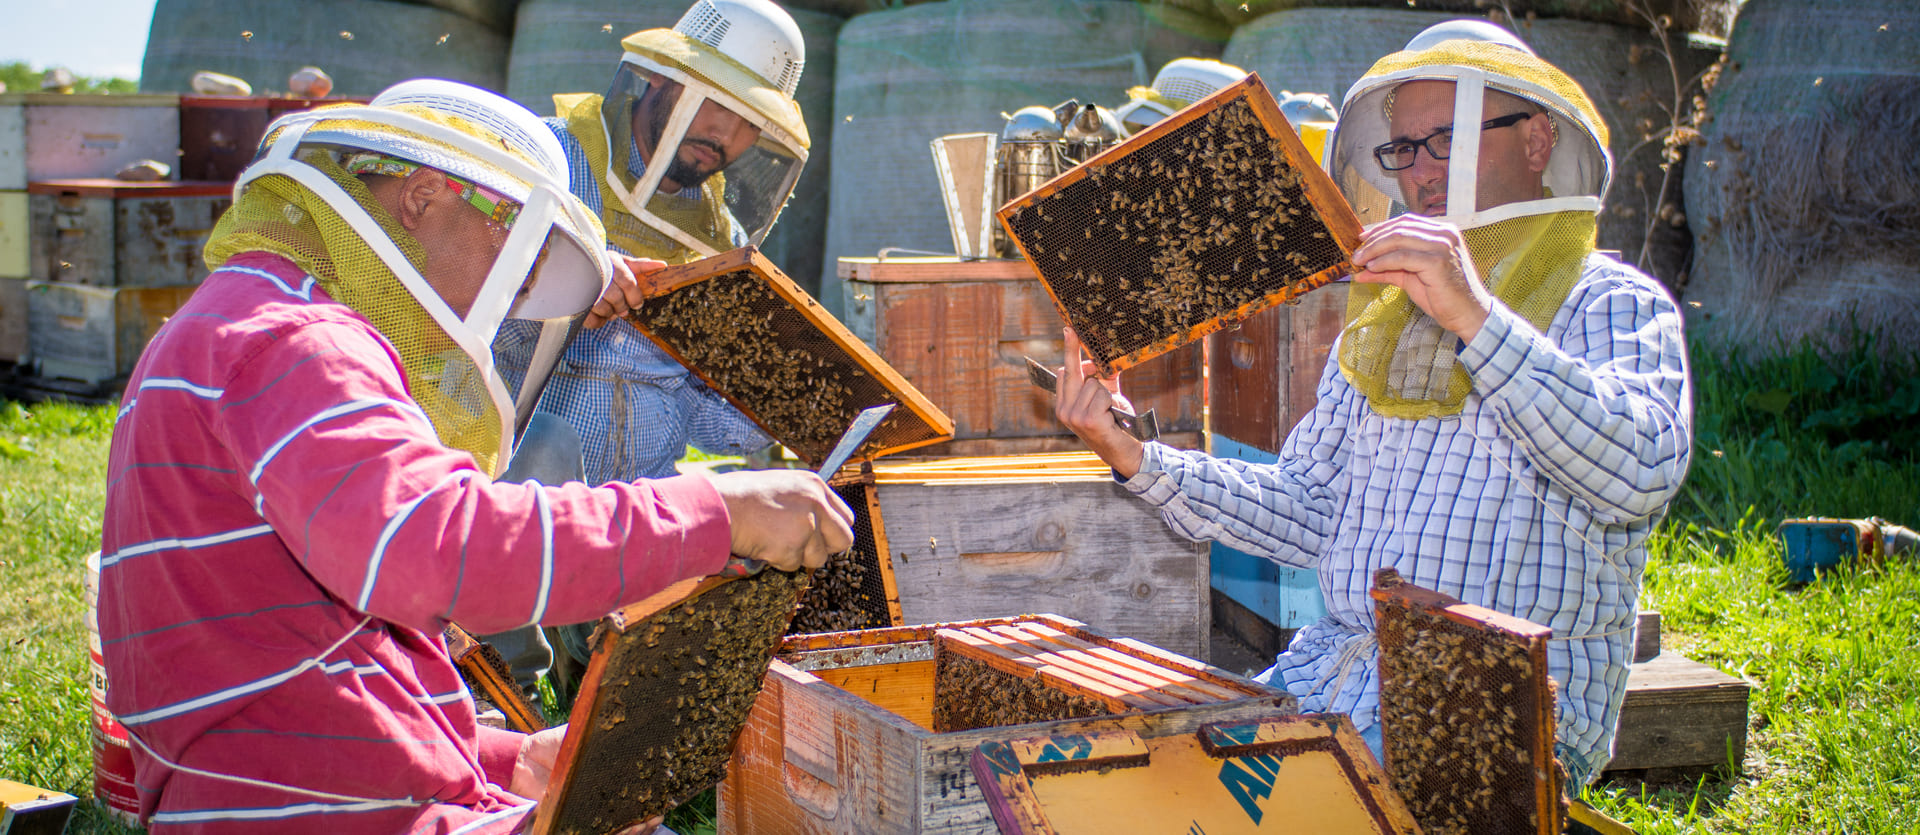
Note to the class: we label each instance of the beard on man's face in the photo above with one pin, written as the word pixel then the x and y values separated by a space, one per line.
pixel 690 174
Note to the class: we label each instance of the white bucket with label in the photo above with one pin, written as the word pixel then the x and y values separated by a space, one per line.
pixel 112 759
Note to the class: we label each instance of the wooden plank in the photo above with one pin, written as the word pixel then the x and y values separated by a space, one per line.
pixel 1023 657
pixel 935 269
pixel 1134 672
pixel 904 689
pixel 1680 714
pixel 1193 688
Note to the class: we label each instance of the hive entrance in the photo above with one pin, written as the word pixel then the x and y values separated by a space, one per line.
pixel 1195 223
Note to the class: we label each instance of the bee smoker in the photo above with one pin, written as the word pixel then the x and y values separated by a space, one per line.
pixel 1039 143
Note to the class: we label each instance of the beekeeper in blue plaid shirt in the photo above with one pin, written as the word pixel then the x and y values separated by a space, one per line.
pixel 1506 414
pixel 712 99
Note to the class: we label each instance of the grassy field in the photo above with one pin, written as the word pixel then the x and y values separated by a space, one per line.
pixel 1834 744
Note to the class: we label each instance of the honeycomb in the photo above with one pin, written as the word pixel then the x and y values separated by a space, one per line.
pixel 759 341
pixel 1466 710
pixel 664 700
pixel 1198 222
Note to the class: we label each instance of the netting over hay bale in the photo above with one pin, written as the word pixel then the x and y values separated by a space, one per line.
pixel 572 46
pixel 1805 198
pixel 1622 70
pixel 366 45
pixel 909 75
pixel 493 14
pixel 1709 17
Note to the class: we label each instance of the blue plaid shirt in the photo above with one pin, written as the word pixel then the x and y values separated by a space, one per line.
pixel 635 407
pixel 1535 501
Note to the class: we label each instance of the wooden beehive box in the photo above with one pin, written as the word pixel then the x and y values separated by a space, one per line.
pixel 843 737
pixel 1207 217
pixel 1002 536
pixel 92 334
pixel 960 330
pixel 48 136
pixel 760 341
pixel 110 233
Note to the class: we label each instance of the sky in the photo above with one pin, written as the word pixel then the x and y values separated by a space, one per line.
pixel 89 37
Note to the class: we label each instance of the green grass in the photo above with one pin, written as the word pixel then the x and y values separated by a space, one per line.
pixel 1835 665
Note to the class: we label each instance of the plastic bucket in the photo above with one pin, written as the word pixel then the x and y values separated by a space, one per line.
pixel 112 759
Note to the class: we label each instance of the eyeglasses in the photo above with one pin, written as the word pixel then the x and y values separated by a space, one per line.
pixel 1399 155
pixel 498 207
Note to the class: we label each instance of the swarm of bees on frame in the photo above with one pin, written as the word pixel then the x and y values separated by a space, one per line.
pixel 761 353
pixel 970 694
pixel 672 696
pixel 1458 716
pixel 1196 225
pixel 849 591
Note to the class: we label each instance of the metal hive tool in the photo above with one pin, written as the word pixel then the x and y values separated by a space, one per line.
pixel 1203 219
pixel 1467 713
pixel 665 694
pixel 760 341
pixel 855 589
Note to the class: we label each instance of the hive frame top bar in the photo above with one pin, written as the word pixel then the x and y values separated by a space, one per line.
pixel 1315 186
pixel 917 405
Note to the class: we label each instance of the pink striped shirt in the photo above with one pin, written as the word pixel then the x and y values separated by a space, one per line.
pixel 285 538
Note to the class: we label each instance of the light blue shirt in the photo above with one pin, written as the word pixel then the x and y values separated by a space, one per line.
pixel 1536 500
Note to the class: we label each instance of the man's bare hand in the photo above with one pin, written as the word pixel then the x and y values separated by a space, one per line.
pixel 785 518
pixel 623 294
pixel 1428 260
pixel 1083 407
pixel 534 767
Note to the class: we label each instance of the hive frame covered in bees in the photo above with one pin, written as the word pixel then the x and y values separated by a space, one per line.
pixel 1467 713
pixel 1205 218
pixel 669 687
pixel 856 589
pixel 759 340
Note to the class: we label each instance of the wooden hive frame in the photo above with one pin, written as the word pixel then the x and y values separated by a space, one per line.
pixel 1467 713
pixel 1201 220
pixel 1270 775
pixel 787 364
pixel 666 693
pixel 869 583
pixel 488 675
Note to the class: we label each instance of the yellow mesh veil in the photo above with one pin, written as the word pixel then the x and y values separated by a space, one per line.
pixel 276 213
pixel 1407 365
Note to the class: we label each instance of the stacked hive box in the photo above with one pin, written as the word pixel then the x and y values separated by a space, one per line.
pixel 110 262
pixel 49 137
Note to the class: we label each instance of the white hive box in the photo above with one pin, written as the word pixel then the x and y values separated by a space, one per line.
pixel 45 136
